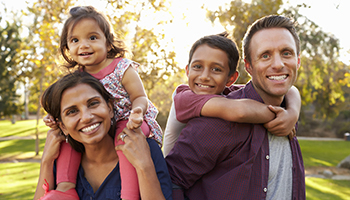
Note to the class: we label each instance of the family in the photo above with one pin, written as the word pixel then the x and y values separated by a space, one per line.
pixel 222 141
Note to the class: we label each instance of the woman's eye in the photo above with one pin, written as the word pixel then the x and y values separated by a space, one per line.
pixel 94 103
pixel 70 112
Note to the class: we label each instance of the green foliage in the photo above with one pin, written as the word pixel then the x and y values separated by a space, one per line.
pixel 9 61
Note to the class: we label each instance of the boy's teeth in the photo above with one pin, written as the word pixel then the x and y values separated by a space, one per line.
pixel 278 78
pixel 90 128
pixel 205 86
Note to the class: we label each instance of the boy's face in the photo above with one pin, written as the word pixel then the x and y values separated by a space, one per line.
pixel 208 72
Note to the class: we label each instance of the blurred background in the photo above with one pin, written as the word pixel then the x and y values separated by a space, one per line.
pixel 159 34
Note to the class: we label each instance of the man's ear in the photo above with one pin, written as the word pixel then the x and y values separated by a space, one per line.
pixel 233 77
pixel 299 62
pixel 248 67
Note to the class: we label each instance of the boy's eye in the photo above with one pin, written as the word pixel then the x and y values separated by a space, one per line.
pixel 216 69
pixel 196 66
pixel 93 37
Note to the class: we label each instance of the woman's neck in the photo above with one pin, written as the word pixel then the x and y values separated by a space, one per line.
pixel 100 153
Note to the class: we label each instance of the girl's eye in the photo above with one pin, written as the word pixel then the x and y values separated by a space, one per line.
pixel 93 37
pixel 74 40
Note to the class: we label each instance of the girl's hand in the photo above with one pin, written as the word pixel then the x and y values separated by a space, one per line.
pixel 52 145
pixel 135 119
pixel 136 148
pixel 283 124
pixel 50 122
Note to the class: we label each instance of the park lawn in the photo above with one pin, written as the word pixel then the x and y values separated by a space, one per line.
pixel 18 180
pixel 21 128
pixel 324 153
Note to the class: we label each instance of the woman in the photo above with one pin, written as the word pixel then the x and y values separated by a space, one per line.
pixel 84 112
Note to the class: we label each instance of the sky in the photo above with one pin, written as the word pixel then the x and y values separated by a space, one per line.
pixel 330 15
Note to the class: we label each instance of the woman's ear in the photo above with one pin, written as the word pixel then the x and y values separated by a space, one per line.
pixel 63 128
pixel 111 111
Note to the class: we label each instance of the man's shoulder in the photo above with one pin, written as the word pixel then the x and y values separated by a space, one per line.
pixel 208 125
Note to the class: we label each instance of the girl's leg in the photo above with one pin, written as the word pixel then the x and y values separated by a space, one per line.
pixel 130 187
pixel 68 163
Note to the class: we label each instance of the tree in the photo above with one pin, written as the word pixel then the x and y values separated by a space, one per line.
pixel 9 61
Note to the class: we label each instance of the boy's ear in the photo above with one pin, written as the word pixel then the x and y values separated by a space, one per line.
pixel 187 70
pixel 233 77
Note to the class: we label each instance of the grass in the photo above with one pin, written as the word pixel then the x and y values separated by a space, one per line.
pixel 21 128
pixel 18 180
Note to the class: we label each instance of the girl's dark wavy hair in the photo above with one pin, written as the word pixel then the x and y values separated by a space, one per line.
pixel 117 46
pixel 51 99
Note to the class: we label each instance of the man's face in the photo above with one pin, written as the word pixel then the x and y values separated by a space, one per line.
pixel 274 62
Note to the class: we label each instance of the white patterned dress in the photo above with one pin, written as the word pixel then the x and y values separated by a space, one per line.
pixel 111 78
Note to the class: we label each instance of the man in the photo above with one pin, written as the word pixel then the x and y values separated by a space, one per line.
pixel 216 159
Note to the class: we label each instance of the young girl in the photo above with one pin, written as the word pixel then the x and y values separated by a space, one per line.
pixel 211 71
pixel 88 42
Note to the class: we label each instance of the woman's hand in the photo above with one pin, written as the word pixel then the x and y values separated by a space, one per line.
pixel 137 151
pixel 136 148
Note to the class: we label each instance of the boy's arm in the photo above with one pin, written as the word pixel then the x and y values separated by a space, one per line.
pixel 285 121
pixel 237 110
pixel 172 130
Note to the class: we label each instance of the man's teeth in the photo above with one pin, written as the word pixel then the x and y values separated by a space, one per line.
pixel 205 86
pixel 90 128
pixel 278 78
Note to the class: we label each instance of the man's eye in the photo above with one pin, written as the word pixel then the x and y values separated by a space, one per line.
pixel 265 56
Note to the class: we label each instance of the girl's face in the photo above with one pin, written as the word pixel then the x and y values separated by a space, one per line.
pixel 85 114
pixel 88 46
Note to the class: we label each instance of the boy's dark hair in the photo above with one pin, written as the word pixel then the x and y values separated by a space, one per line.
pixel 51 99
pixel 116 45
pixel 271 21
pixel 220 41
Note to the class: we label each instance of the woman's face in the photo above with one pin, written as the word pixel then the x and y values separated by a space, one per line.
pixel 85 115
